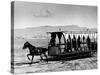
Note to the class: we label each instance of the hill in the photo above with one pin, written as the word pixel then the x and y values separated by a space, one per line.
pixel 40 32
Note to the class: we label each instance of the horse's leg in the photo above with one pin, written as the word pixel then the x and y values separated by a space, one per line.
pixel 46 57
pixel 41 57
pixel 32 58
pixel 28 56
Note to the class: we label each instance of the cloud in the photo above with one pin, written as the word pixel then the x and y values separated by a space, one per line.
pixel 45 13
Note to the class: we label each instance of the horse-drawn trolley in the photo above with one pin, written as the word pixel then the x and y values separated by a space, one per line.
pixel 72 43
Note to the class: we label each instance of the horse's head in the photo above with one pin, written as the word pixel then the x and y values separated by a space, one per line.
pixel 26 44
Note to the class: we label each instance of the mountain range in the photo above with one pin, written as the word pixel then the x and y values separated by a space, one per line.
pixel 40 32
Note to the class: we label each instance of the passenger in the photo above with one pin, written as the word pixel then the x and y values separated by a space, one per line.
pixel 78 43
pixel 52 41
pixel 69 44
pixel 88 42
pixel 84 44
pixel 74 42
pixel 83 39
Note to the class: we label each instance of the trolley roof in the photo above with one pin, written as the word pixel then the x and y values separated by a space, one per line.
pixel 74 32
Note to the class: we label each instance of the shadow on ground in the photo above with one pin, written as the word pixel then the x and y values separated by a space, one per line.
pixel 56 58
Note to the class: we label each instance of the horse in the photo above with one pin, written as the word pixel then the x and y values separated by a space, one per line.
pixel 35 51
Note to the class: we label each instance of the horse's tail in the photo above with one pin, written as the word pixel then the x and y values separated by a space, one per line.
pixel 45 49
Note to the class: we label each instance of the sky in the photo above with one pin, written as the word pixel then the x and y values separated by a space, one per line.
pixel 32 14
